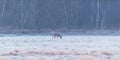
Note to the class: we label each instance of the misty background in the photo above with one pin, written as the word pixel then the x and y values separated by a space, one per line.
pixel 26 16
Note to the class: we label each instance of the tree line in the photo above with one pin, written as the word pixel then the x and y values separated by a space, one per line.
pixel 60 14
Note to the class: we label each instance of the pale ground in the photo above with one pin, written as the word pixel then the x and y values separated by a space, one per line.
pixel 69 48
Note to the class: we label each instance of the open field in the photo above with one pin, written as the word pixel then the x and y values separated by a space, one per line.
pixel 69 48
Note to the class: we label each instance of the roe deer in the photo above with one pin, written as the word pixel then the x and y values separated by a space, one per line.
pixel 57 35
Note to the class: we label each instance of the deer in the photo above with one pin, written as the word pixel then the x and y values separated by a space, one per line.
pixel 57 35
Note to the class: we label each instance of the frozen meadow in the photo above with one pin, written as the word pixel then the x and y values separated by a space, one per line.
pixel 71 47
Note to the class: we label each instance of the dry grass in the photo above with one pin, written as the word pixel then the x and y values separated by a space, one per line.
pixel 58 52
pixel 4 58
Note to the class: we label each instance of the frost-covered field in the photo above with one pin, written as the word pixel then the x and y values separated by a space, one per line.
pixel 80 47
